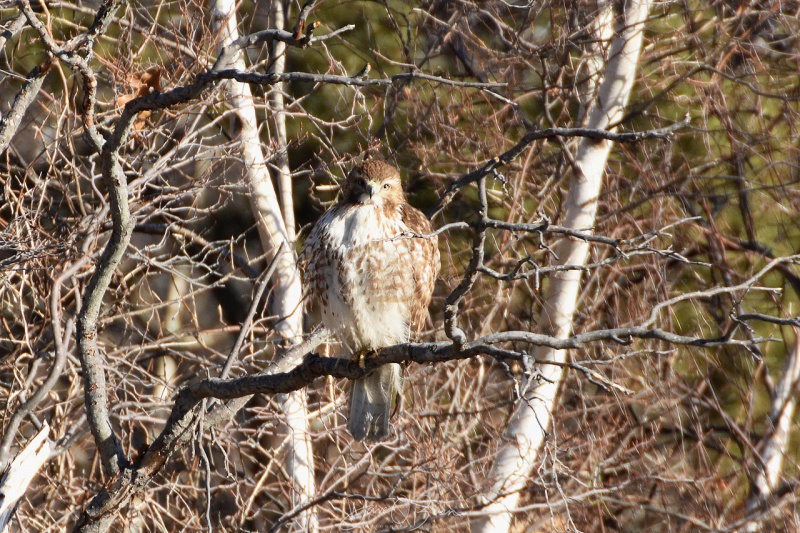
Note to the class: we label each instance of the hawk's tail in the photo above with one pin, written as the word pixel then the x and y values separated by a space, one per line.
pixel 371 401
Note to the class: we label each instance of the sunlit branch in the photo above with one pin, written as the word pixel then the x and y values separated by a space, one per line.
pixel 493 166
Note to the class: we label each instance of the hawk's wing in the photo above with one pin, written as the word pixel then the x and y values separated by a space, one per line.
pixel 425 264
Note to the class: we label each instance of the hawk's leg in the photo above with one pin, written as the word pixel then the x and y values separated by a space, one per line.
pixel 360 356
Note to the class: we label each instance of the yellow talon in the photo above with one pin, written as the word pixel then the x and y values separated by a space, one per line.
pixel 360 358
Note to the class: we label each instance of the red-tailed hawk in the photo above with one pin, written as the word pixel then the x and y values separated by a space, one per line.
pixel 370 269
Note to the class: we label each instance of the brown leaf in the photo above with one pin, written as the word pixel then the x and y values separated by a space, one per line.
pixel 150 80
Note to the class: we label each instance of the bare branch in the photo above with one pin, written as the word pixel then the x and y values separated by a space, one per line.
pixel 261 286
pixel 10 29
pixel 17 476
pixel 746 285
pixel 770 319
pixel 55 371
pixel 470 276
pixel 314 367
pixel 508 156
pixel 92 361
pixel 11 120
pixel 181 232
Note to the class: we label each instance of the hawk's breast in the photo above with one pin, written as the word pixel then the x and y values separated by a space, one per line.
pixel 360 275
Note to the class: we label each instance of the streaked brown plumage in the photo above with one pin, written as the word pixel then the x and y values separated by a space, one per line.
pixel 370 270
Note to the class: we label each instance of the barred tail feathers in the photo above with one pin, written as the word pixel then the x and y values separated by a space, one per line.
pixel 371 401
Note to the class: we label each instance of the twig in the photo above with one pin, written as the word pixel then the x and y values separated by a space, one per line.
pixel 452 302
pixel 746 285
pixel 55 371
pixel 534 135
pixel 261 285
pixel 770 319
pixel 178 230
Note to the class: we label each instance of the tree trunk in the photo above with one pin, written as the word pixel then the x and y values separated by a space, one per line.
pixel 531 418
pixel 772 448
pixel 281 163
pixel 286 289
pixel 21 472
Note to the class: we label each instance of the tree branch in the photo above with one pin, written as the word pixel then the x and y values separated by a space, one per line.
pixel 280 378
pixel 24 98
pixel 92 361
pixel 451 328
pixel 10 29
pixel 55 371
pixel 492 166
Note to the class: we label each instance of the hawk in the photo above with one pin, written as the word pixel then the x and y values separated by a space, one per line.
pixel 371 264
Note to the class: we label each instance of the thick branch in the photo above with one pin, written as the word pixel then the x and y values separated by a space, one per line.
pixel 282 378
pixel 92 360
pixel 315 366
pixel 25 97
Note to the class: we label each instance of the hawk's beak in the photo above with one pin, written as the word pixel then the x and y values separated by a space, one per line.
pixel 373 187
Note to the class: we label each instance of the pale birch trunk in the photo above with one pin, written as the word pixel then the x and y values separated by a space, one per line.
pixel 15 480
pixel 531 418
pixel 772 448
pixel 287 290
pixel 281 163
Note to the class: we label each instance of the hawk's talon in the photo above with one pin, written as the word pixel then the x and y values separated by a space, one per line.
pixel 360 357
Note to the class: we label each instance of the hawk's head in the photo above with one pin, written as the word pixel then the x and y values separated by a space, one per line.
pixel 373 182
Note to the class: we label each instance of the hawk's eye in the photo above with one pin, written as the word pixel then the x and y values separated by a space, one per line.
pixel 362 182
pixel 386 186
